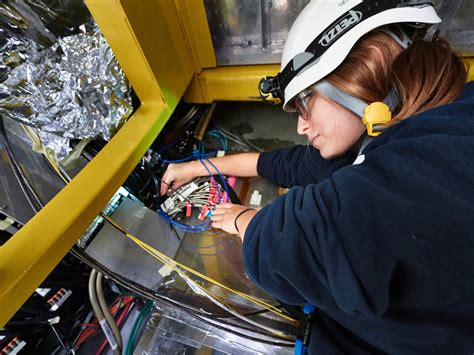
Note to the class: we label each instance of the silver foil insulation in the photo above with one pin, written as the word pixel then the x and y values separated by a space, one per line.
pixel 68 87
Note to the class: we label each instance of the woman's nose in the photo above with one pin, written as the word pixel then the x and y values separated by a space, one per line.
pixel 302 126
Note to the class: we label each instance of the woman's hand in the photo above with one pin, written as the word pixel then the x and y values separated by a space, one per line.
pixel 177 175
pixel 223 217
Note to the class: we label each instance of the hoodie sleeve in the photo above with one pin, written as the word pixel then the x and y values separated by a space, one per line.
pixel 297 166
pixel 368 235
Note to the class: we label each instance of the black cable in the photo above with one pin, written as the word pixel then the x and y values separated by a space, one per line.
pixel 174 190
pixel 144 187
pixel 35 311
pixel 155 180
pixel 175 231
pixel 29 321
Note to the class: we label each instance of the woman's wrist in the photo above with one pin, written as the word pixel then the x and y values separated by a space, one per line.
pixel 238 216
pixel 241 222
pixel 198 168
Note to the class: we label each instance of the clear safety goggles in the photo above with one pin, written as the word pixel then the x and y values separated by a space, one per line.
pixel 301 104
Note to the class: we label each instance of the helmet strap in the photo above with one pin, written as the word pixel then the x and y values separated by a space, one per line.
pixel 374 116
pixel 350 102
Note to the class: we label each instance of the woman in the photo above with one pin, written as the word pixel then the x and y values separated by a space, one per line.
pixel 383 247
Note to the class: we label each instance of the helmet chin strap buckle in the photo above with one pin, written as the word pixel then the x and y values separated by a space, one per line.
pixel 375 118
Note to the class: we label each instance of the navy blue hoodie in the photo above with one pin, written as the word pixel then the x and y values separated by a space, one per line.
pixel 385 248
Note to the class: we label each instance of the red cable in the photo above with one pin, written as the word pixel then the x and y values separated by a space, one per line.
pixel 93 328
pixel 119 323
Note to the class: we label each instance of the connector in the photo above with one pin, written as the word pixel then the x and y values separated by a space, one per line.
pixel 13 347
pixel 58 299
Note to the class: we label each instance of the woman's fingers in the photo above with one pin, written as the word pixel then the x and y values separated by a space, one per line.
pixel 175 176
pixel 166 183
pixel 224 206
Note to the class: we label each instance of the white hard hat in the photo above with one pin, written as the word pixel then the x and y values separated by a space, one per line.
pixel 325 32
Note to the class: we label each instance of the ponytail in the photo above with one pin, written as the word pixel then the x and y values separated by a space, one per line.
pixel 425 75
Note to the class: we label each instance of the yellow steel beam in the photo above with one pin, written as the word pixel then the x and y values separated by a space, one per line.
pixel 32 253
pixel 152 33
pixel 149 42
pixel 239 83
pixel 236 83
pixel 194 20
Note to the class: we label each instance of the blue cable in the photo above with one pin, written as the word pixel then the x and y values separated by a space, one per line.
pixel 191 157
pixel 186 227
pixel 220 175
pixel 195 155
pixel 212 177
pixel 201 156
pixel 204 224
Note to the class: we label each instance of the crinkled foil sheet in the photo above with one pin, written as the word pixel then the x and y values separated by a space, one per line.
pixel 59 76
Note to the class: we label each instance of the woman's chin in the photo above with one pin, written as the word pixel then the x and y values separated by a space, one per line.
pixel 328 154
pixel 325 155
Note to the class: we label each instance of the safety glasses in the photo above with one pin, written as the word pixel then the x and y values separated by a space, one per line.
pixel 301 103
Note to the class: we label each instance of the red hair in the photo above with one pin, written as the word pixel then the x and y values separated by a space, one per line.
pixel 425 75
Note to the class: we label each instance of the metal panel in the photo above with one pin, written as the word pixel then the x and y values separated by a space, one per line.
pixel 13 201
pixel 219 256
pixel 254 31
pixel 177 332
pixel 458 25
pixel 251 31
pixel 120 255
pixel 43 180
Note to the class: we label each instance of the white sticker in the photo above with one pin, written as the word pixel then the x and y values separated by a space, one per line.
pixel 54 320
pixel 256 198
pixel 165 270
pixel 360 159
pixel 108 334
pixel 42 291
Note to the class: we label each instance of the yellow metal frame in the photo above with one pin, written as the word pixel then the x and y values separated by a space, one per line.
pixel 237 83
pixel 152 47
